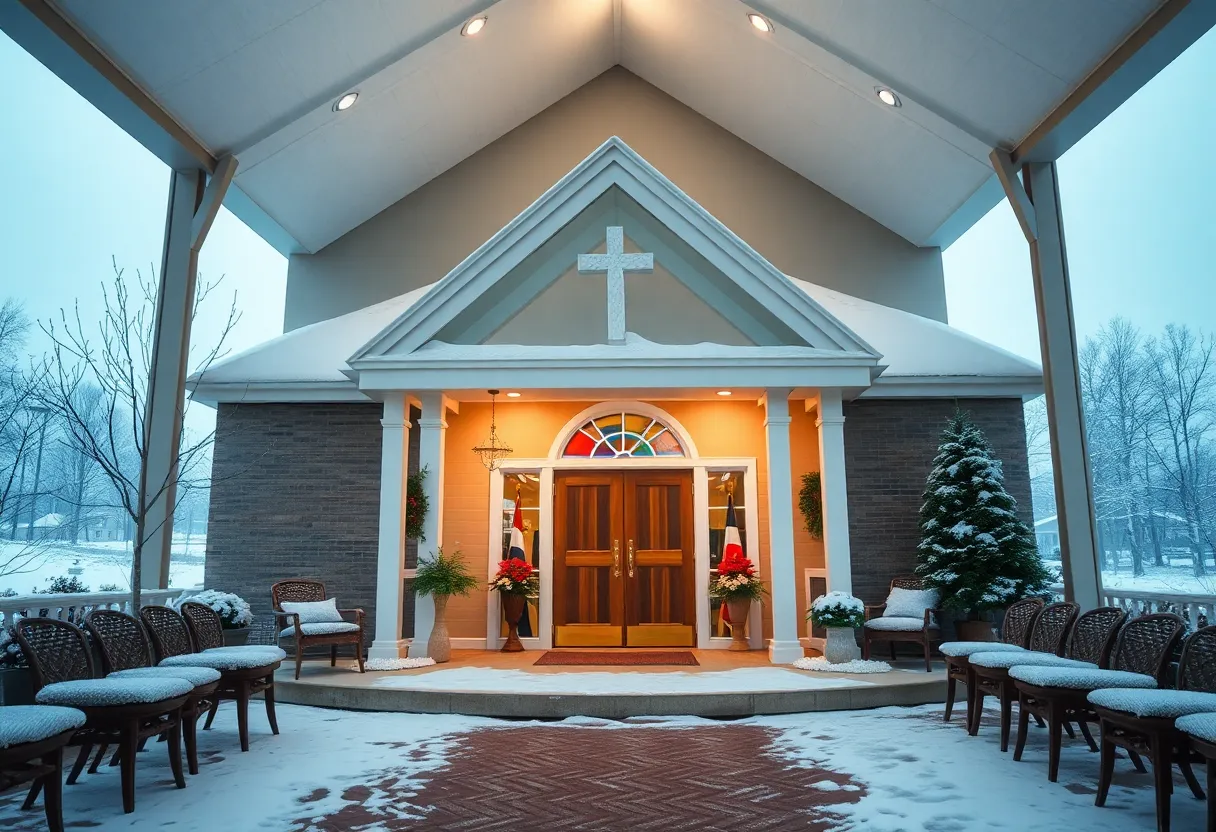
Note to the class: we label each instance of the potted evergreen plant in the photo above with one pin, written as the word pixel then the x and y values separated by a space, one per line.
pixel 973 547
pixel 840 614
pixel 233 610
pixel 16 683
pixel 441 577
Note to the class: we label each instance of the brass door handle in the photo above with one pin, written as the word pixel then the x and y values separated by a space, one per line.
pixel 631 558
pixel 616 558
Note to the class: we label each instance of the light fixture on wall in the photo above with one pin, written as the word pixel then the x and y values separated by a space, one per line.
pixel 513 395
pixel 887 97
pixel 474 26
pixel 493 450
pixel 724 392
pixel 346 102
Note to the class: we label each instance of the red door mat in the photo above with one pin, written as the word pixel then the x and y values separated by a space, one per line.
pixel 621 658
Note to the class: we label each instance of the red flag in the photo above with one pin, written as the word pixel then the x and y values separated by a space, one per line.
pixel 732 546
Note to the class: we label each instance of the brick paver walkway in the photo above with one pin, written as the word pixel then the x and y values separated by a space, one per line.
pixel 537 779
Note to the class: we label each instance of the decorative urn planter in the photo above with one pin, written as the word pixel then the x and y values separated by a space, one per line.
pixel 236 636
pixel 739 610
pixel 841 645
pixel 512 609
pixel 439 645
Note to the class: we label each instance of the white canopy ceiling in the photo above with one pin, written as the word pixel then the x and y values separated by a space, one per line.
pixel 258 80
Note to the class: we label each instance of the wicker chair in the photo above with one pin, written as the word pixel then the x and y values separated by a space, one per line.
pixel 1016 630
pixel 1142 722
pixel 123 647
pixel 1048 636
pixel 1199 731
pixel 1059 694
pixel 32 739
pixel 306 589
pixel 928 632
pixel 122 712
pixel 241 674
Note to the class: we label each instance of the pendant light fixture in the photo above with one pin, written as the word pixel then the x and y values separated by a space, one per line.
pixel 493 450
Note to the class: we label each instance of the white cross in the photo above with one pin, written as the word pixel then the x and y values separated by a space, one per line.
pixel 616 262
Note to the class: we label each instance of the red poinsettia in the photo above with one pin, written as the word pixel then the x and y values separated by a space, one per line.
pixel 515 577
pixel 736 564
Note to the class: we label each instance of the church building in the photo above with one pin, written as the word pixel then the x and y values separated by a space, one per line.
pixel 657 319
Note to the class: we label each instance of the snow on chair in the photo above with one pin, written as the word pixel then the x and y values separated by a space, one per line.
pixel 1059 694
pixel 32 739
pixel 313 620
pixel 242 673
pixel 1143 722
pixel 909 614
pixel 1199 733
pixel 117 711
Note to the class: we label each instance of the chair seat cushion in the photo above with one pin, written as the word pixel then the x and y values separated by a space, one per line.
pixel 1199 726
pixel 275 653
pixel 221 661
pixel 20 724
pixel 1080 678
pixel 958 649
pixel 1154 703
pixel 1025 658
pixel 324 629
pixel 98 693
pixel 898 624
pixel 194 675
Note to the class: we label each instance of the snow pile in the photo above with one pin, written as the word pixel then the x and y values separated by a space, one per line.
pixel 821 664
pixel 394 664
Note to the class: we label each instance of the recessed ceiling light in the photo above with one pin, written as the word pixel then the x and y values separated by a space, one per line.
pixel 887 97
pixel 760 23
pixel 723 392
pixel 514 395
pixel 346 102
pixel 473 26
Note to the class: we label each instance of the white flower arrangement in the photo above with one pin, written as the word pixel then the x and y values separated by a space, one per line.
pixel 233 610
pixel 837 609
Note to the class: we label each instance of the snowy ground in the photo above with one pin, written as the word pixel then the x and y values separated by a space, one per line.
pixel 101 563
pixel 890 769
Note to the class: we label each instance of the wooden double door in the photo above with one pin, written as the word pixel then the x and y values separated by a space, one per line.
pixel 623 560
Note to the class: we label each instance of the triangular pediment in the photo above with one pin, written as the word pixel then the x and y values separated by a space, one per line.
pixel 523 286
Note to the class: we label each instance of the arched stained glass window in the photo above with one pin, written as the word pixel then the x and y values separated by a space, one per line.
pixel 623 434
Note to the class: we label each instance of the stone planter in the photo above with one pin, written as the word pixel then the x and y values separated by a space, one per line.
pixel 16 686
pixel 236 636
pixel 439 645
pixel 975 631
pixel 841 645
pixel 739 610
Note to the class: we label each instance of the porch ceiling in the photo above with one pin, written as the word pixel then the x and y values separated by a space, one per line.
pixel 258 80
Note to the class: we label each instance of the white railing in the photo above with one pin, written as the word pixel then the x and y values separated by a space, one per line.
pixel 72 606
pixel 1144 601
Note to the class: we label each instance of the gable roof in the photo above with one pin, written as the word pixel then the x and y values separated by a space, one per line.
pixel 612 164
pixel 921 356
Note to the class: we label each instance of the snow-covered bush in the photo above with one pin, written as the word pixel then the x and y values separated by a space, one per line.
pixel 837 609
pixel 233 610
pixel 10 650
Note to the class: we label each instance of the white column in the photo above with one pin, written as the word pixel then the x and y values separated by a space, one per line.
pixel 784 647
pixel 830 424
pixel 1061 379
pixel 432 434
pixel 390 560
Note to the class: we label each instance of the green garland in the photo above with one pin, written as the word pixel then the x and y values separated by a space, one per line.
pixel 810 503
pixel 416 505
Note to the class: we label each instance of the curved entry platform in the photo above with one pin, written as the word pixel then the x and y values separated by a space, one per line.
pixel 483 683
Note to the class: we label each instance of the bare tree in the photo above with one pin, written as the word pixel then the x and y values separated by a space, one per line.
pixel 1184 382
pixel 119 362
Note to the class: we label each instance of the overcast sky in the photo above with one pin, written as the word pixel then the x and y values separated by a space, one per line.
pixel 75 191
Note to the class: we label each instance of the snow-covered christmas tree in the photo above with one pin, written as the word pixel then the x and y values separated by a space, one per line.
pixel 973 547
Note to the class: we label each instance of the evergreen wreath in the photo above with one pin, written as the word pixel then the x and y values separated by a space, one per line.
pixel 416 505
pixel 974 549
pixel 810 503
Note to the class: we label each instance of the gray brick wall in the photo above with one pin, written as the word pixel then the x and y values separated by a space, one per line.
pixel 889 449
pixel 296 493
